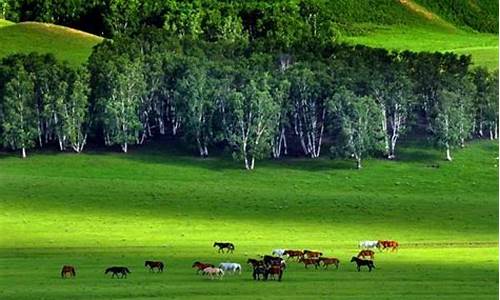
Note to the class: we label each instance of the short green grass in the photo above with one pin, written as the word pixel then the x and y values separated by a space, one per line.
pixel 99 209
pixel 66 44
pixel 482 46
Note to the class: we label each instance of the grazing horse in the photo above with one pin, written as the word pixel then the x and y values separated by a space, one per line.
pixel 255 262
pixel 118 270
pixel 70 270
pixel 363 262
pixel 329 261
pixel 273 271
pixel 366 253
pixel 154 264
pixel 230 267
pixel 388 245
pixel 312 254
pixel 201 266
pixel 368 244
pixel 278 252
pixel 228 246
pixel 297 254
pixel 213 272
pixel 259 271
pixel 309 261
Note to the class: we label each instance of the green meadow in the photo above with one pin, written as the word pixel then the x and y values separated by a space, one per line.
pixel 98 209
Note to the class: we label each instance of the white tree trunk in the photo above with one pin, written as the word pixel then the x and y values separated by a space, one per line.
pixel 448 153
pixel 23 152
pixel 125 147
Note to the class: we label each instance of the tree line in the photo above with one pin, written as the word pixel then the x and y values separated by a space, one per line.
pixel 285 20
pixel 246 97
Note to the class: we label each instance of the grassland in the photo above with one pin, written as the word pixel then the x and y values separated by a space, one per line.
pixel 66 44
pixel 99 209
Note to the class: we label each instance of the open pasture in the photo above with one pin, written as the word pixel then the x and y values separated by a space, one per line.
pixel 99 209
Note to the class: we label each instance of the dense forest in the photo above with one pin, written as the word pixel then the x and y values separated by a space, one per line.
pixel 225 75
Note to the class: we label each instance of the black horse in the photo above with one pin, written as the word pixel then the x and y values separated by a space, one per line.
pixel 363 262
pixel 228 246
pixel 118 270
pixel 259 271
pixel 154 264
pixel 255 263
pixel 272 260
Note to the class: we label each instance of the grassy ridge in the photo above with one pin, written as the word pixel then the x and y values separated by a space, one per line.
pixel 98 209
pixel 66 44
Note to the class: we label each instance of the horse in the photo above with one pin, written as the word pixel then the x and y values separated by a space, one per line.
pixel 309 261
pixel 363 262
pixel 201 266
pixel 388 245
pixel 294 254
pixel 278 252
pixel 70 270
pixel 312 254
pixel 230 267
pixel 366 253
pixel 228 246
pixel 154 264
pixel 272 260
pixel 118 270
pixel 255 263
pixel 329 261
pixel 213 272
pixel 368 244
pixel 273 271
pixel 259 271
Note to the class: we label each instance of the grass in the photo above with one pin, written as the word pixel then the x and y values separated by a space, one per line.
pixel 66 44
pixel 98 209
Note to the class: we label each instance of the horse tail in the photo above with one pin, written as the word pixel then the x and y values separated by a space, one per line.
pixel 73 272
pixel 62 273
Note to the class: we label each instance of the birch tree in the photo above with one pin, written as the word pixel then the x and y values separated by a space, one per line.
pixel 120 111
pixel 254 115
pixel 360 124
pixel 280 91
pixel 76 111
pixel 18 116
pixel 309 113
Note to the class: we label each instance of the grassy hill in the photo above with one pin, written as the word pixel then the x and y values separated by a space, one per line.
pixel 99 209
pixel 65 43
pixel 426 26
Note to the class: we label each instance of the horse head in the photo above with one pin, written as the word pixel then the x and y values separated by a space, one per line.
pixel 353 259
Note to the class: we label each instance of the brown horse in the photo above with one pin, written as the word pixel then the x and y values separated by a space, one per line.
pixel 386 245
pixel 366 253
pixel 201 266
pixel 154 264
pixel 273 271
pixel 297 254
pixel 329 261
pixel 70 270
pixel 312 254
pixel 309 261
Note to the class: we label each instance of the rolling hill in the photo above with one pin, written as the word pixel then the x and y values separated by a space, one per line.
pixel 66 44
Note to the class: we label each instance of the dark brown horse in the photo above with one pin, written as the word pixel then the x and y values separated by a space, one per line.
pixel 201 266
pixel 154 264
pixel 68 270
pixel 118 270
pixel 309 261
pixel 255 262
pixel 329 261
pixel 275 270
pixel 366 253
pixel 228 246
pixel 312 254
pixel 294 254
pixel 363 262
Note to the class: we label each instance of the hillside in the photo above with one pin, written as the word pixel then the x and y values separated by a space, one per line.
pixel 66 44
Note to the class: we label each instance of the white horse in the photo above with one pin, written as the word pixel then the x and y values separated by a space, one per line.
pixel 279 252
pixel 368 244
pixel 213 272
pixel 230 267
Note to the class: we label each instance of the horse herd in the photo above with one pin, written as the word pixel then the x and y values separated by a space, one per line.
pixel 268 266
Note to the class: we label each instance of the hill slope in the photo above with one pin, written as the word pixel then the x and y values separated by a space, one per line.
pixel 65 43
